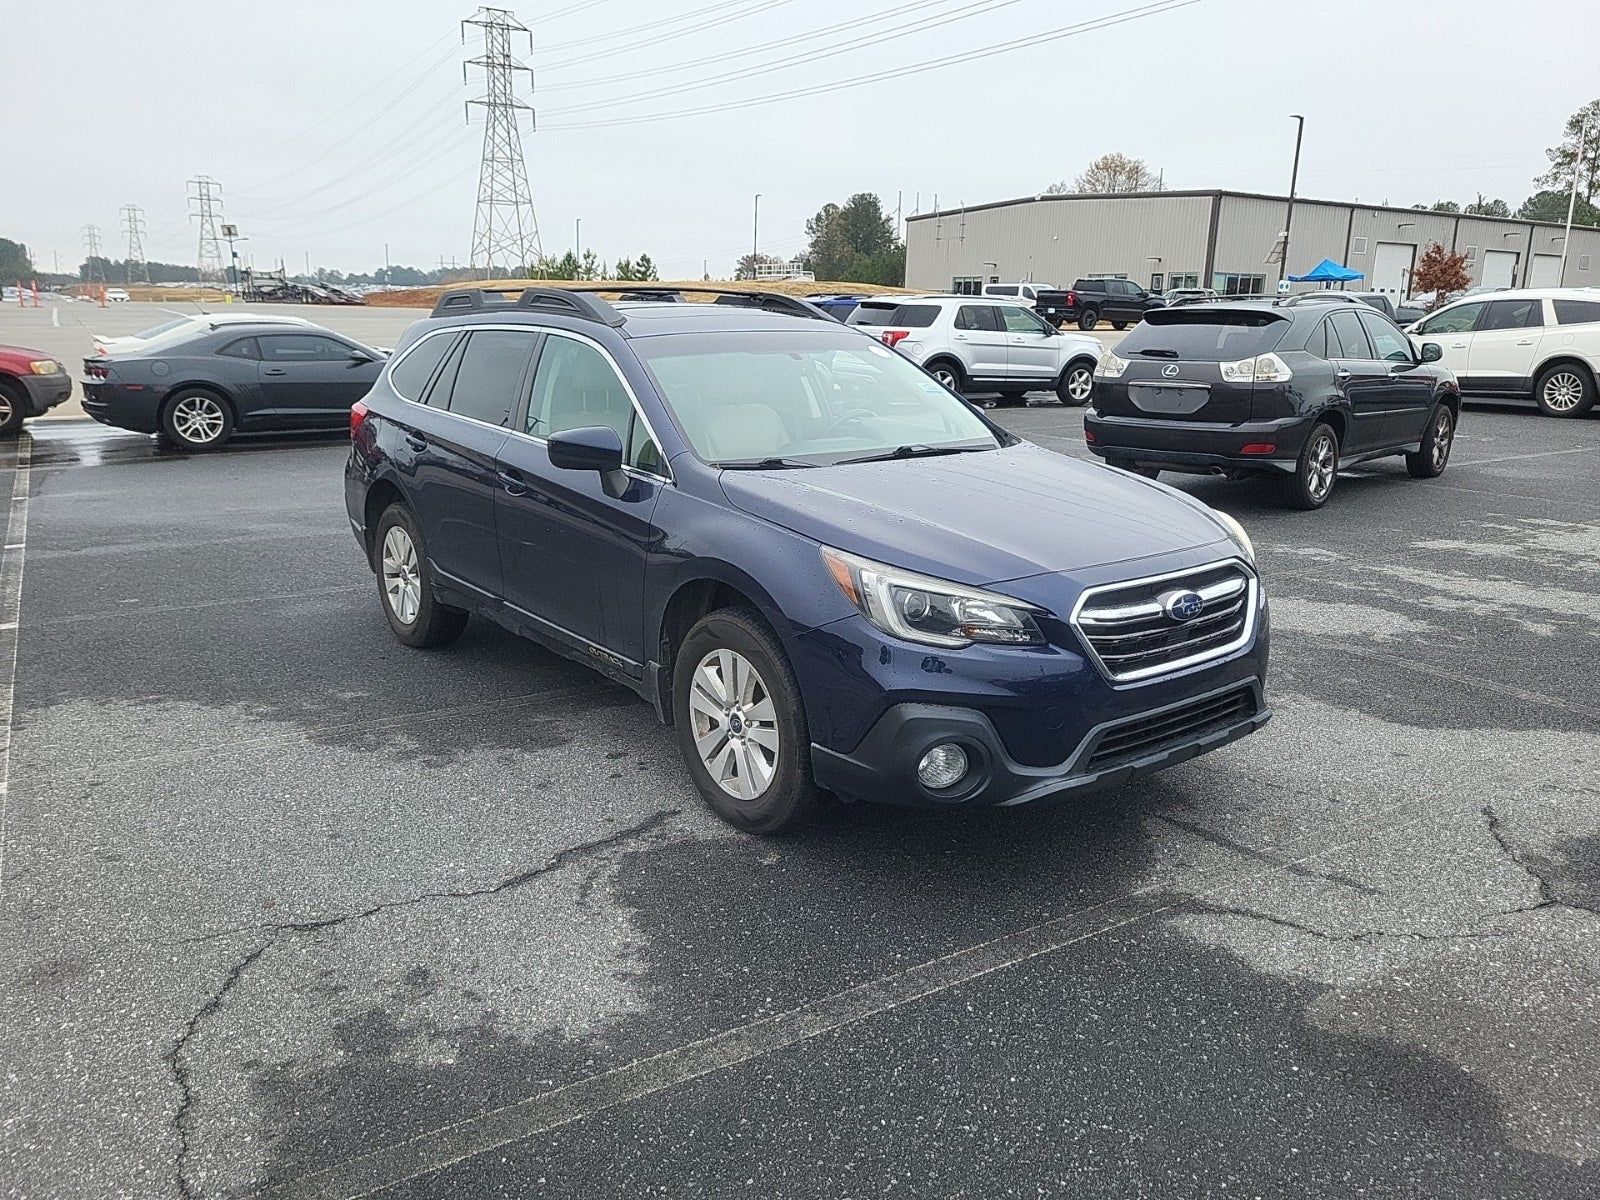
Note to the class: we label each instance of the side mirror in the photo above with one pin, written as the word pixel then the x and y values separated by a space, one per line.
pixel 1431 352
pixel 357 357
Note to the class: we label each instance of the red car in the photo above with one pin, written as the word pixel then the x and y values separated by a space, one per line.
pixel 31 383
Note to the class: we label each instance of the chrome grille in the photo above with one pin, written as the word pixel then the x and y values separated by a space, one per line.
pixel 1152 734
pixel 1132 634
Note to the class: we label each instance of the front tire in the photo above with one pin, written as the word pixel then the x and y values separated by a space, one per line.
pixel 1088 319
pixel 1076 385
pixel 741 724
pixel 1564 391
pixel 1315 470
pixel 1430 459
pixel 197 420
pixel 415 615
pixel 1119 326
pixel 13 409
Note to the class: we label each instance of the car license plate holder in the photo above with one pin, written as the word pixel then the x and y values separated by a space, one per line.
pixel 1177 399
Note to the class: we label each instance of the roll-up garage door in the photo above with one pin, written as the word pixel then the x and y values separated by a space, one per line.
pixel 1499 268
pixel 1546 271
pixel 1391 267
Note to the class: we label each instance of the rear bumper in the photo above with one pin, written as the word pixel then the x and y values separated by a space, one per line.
pixel 109 404
pixel 1197 445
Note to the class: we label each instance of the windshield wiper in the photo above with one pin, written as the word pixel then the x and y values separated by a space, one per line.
pixel 761 464
pixel 917 451
pixel 1158 352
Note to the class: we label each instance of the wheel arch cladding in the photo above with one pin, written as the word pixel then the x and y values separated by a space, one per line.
pixel 380 496
pixel 1336 419
pixel 693 599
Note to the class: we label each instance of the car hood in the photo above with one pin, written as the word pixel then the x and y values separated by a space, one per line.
pixel 981 518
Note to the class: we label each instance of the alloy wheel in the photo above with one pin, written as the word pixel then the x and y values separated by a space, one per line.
pixel 735 724
pixel 198 420
pixel 1319 476
pixel 1079 384
pixel 945 376
pixel 402 582
pixel 1563 391
pixel 5 408
pixel 1443 435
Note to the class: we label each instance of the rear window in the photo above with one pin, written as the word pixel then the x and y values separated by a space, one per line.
pixel 915 316
pixel 870 312
pixel 1089 285
pixel 1203 335
pixel 1576 312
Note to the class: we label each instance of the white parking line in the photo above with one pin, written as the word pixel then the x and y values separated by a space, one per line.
pixel 10 614
pixel 1483 462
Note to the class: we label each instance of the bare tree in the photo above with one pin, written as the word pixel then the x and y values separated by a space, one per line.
pixel 1442 272
pixel 1110 173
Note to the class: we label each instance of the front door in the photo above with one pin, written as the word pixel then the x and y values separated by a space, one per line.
pixel 573 555
pixel 1033 351
pixel 1410 391
pixel 1364 379
pixel 311 379
pixel 1505 346
pixel 980 336
pixel 1451 330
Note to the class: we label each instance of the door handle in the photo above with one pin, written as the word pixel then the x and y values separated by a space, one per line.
pixel 415 442
pixel 1525 342
pixel 1341 374
pixel 512 482
pixel 1458 345
pixel 274 371
pixel 958 337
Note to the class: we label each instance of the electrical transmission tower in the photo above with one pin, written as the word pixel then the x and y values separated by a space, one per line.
pixel 133 222
pixel 206 194
pixel 505 231
pixel 91 247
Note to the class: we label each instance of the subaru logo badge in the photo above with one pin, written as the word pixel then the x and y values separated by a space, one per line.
pixel 1170 370
pixel 1182 606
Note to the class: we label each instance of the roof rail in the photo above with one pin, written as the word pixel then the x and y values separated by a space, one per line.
pixel 745 297
pixel 1310 297
pixel 566 301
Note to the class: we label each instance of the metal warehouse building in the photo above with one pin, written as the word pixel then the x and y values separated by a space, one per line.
pixel 1222 239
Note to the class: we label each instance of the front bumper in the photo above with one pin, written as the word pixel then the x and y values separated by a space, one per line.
pixel 883 766
pixel 1197 445
pixel 44 392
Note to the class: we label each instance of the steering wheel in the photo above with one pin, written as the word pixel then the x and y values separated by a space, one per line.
pixel 845 418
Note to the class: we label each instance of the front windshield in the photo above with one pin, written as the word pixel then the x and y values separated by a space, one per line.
pixel 805 398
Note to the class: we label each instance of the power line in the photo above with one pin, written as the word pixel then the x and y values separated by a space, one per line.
pixel 723 17
pixel 505 224
pixel 207 195
pixel 133 223
pixel 1082 27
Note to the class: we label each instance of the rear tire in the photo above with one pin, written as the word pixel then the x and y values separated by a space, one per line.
pixel 1088 319
pixel 948 373
pixel 197 420
pixel 1429 460
pixel 1119 326
pixel 1565 390
pixel 1315 470
pixel 1076 385
pixel 741 723
pixel 399 560
pixel 13 408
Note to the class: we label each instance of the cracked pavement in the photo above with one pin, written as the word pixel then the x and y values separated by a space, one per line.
pixel 285 903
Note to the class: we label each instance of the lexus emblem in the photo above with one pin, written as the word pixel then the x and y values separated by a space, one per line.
pixel 1170 371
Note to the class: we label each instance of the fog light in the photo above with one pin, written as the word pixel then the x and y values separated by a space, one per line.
pixel 942 767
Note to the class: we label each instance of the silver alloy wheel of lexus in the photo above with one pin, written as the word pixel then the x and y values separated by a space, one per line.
pixel 1080 383
pixel 402 584
pixel 734 723
pixel 1319 481
pixel 1443 434
pixel 198 420
pixel 1563 391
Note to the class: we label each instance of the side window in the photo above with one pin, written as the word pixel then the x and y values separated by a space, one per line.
pixel 575 386
pixel 642 452
pixel 1318 342
pixel 1388 341
pixel 1021 320
pixel 1000 289
pixel 411 374
pixel 243 348
pixel 302 347
pixel 490 369
pixel 978 316
pixel 1346 326
pixel 1577 312
pixel 1459 318
pixel 1513 314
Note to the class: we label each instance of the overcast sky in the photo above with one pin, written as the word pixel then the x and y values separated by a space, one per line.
pixel 335 126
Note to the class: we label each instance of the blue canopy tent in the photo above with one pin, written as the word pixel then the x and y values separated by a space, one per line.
pixel 1327 271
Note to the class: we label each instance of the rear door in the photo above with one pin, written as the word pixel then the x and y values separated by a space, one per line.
pixel 1032 348
pixel 1505 346
pixel 1363 378
pixel 1175 360
pixel 981 338
pixel 1451 330
pixel 311 379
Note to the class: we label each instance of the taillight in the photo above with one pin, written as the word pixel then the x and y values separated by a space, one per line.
pixel 893 337
pixel 1088 435
pixel 1072 298
pixel 358 414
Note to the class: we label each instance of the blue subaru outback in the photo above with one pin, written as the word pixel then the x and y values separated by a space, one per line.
pixel 824 570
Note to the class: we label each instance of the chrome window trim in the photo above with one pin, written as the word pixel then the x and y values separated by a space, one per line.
pixel 1143 675
pixel 633 398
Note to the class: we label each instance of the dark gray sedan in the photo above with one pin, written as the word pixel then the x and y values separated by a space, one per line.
pixel 200 390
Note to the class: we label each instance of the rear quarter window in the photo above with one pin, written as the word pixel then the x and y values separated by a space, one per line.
pixel 869 313
pixel 1203 336
pixel 915 316
pixel 1577 312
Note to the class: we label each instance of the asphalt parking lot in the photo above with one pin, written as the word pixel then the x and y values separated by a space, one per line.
pixel 291 910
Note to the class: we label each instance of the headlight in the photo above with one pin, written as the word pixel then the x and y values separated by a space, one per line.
pixel 931 611
pixel 1110 366
pixel 46 366
pixel 1237 533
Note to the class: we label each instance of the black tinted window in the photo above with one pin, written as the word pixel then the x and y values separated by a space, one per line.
pixel 1576 312
pixel 1089 285
pixel 879 313
pixel 915 316
pixel 1003 289
pixel 302 347
pixel 485 387
pixel 1200 334
pixel 1346 328
pixel 978 316
pixel 411 373
pixel 1525 313
pixel 243 348
pixel 1318 342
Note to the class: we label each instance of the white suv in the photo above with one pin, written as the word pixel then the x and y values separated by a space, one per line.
pixel 983 344
pixel 1542 343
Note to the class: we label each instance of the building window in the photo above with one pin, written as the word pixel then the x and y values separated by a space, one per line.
pixel 1230 283
pixel 1358 246
pixel 1472 254
pixel 1179 279
pixel 1155 281
pixel 1583 262
pixel 967 285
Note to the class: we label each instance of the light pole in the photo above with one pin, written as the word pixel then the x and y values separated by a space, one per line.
pixel 1294 183
pixel 1572 200
pixel 755 237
